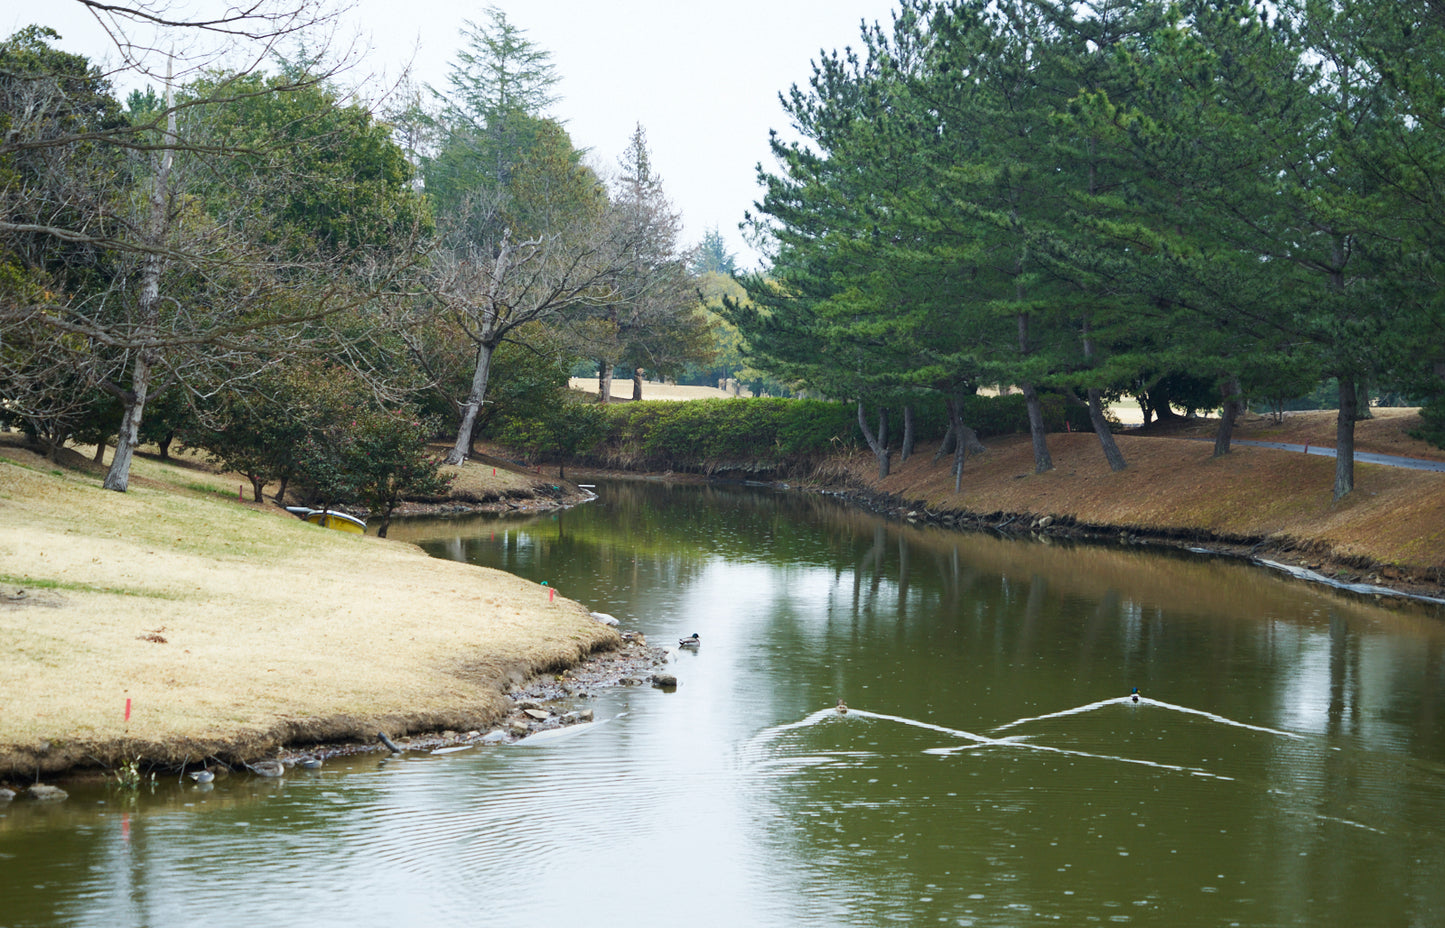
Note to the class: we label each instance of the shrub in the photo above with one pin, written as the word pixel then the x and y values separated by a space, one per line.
pixel 752 435
pixel 568 429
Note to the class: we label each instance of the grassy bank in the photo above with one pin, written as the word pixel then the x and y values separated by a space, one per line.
pixel 1391 528
pixel 233 628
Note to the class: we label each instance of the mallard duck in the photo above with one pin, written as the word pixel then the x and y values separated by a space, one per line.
pixel 267 768
pixel 842 707
pixel 1134 694
pixel 201 776
pixel 691 641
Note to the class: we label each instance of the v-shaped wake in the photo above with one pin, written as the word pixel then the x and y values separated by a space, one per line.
pixel 973 740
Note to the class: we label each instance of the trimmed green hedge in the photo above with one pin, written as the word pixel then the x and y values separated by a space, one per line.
pixel 766 431
pixel 769 435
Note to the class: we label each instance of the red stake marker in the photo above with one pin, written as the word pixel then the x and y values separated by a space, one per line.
pixel 127 708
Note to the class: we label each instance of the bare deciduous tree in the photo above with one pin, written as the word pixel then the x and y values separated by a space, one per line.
pixel 487 289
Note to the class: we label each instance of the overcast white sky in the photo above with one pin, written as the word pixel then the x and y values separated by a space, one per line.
pixel 702 78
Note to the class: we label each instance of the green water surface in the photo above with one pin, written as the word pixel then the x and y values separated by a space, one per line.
pixel 1285 765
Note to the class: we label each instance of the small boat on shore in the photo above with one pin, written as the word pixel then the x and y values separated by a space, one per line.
pixel 329 518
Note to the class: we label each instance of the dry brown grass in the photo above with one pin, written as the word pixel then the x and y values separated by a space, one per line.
pixel 234 628
pixel 485 478
pixel 1395 519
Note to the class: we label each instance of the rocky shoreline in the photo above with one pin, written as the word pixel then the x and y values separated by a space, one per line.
pixel 1315 565
pixel 1311 563
pixel 544 703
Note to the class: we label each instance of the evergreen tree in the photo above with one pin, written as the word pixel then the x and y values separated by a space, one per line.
pixel 711 256
pixel 500 89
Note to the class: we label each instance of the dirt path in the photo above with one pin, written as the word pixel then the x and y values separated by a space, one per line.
pixel 1365 457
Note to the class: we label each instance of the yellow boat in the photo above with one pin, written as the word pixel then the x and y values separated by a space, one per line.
pixel 338 521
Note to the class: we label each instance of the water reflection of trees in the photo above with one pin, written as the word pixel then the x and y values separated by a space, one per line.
pixel 972 630
pixel 1128 613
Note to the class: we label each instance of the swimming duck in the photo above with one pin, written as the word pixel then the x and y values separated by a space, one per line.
pixel 201 776
pixel 691 641
pixel 842 707
pixel 1134 694
pixel 268 768
pixel 308 762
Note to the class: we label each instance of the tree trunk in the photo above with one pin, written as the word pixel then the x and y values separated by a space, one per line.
pixel 905 452
pixel 637 385
pixel 1345 439
pixel 99 453
pixel 281 490
pixel 949 438
pixel 1043 461
pixel 463 447
pixel 165 445
pixel 1112 454
pixel 118 477
pixel 489 337
pixel 1349 398
pixel 878 443
pixel 1165 410
pixel 258 487
pixel 965 440
pixel 1362 405
pixel 604 381
pixel 960 452
pixel 148 309
pixel 1229 391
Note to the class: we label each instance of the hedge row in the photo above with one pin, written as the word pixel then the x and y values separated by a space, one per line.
pixel 770 435
pixel 762 431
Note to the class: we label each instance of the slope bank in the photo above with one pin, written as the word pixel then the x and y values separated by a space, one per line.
pixel 174 622
pixel 1390 531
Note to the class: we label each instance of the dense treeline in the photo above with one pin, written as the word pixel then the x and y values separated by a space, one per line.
pixel 249 260
pixel 1190 202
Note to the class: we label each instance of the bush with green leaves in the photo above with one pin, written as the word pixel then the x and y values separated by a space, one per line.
pixel 568 429
pixel 780 435
pixel 385 454
pixel 321 426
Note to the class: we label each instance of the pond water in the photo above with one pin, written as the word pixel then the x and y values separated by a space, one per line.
pixel 1285 764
